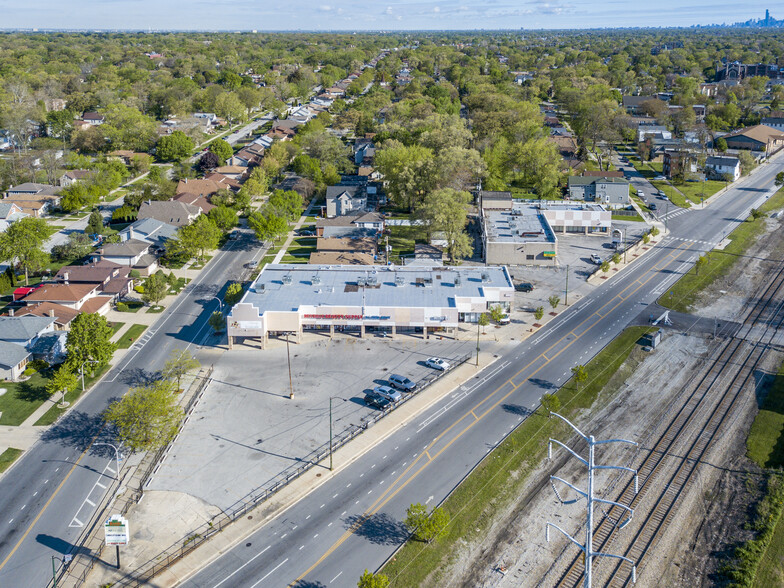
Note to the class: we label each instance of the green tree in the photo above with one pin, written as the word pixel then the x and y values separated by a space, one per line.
pixel 233 294
pixel 408 171
pixel 127 128
pixel 437 523
pixel 174 147
pixel 222 149
pixel 616 258
pixel 482 321
pixel 62 380
pixel 605 267
pixel 550 403
pixel 497 313
pixel 198 237
pixel 89 340
pixel 654 231
pixel 446 211
pixel 155 288
pixel 416 518
pixel 721 144
pixel 747 162
pixel 22 243
pixel 147 417
pixel 286 203
pixel 268 226
pixel 179 364
pixel 539 313
pixel 779 181
pixel 216 321
pixel 228 106
pixel 580 374
pixel 95 223
pixel 225 218
pixel 371 580
pixel 554 301
pixel 140 163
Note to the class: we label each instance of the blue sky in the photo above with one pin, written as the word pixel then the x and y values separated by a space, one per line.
pixel 369 14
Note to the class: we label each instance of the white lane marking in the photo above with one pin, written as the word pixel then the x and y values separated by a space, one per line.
pixel 348 485
pixel 294 527
pixel 344 512
pixel 307 517
pixel 270 573
pixel 78 523
pixel 302 547
pixel 360 475
pixel 35 493
pixel 11 521
pixel 242 566
pixel 371 467
pixel 23 507
pixel 284 534
pixel 90 502
pixel 316 535
pixel 335 578
pixel 46 481
pixel 335 496
pixel 329 525
pixel 322 506
pixel 369 492
pixel 97 484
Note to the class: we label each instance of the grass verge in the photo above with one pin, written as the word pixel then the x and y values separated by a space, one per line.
pixel 21 399
pixel 130 336
pixel 684 292
pixel 71 396
pixel 501 476
pixel 8 457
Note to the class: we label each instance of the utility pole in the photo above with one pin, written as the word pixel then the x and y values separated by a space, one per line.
pixel 624 246
pixel 587 549
pixel 566 295
pixel 288 356
pixel 330 433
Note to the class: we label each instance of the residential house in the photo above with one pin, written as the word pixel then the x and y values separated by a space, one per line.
pixel 170 212
pixel 149 230
pixel 721 167
pixel 774 120
pixel 10 212
pixel 93 118
pixel 612 192
pixel 132 253
pixel 364 153
pixel 123 155
pixel 287 126
pixel 224 181
pixel 112 278
pixel 13 360
pixel 369 224
pixel 82 297
pixel 248 156
pixel 34 199
pixel 522 77
pixel 233 172
pixel 70 177
pixel 678 162
pixel 195 200
pixel 756 138
pixel 24 330
pixel 653 131
pixel 63 315
pixel 202 187
pixel 635 104
pixel 343 200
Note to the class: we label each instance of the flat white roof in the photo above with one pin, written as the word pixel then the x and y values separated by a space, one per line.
pixel 287 287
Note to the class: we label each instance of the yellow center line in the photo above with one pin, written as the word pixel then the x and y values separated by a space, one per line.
pixel 389 494
pixel 48 502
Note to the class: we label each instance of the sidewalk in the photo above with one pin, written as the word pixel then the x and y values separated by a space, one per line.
pixel 293 230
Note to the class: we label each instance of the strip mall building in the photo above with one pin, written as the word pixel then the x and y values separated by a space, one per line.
pixel 294 298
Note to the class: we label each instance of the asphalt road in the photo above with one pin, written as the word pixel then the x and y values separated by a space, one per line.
pixel 52 491
pixel 319 542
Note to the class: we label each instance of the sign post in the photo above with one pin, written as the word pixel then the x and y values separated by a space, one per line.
pixel 116 532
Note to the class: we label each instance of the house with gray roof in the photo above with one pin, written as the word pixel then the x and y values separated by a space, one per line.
pixel 13 359
pixel 150 230
pixel 10 212
pixel 24 330
pixel 133 253
pixel 612 192
pixel 343 200
pixel 170 212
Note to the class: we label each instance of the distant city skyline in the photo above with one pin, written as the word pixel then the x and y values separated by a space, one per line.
pixel 245 15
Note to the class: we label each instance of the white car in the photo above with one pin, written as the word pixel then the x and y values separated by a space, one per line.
pixel 389 393
pixel 659 178
pixel 437 364
pixel 596 259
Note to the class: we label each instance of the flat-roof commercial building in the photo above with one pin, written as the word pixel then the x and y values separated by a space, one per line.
pixel 292 298
pixel 523 232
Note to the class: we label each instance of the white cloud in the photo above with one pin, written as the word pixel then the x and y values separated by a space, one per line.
pixel 325 8
pixel 436 9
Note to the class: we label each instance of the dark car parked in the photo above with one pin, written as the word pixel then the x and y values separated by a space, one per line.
pixel 377 401
pixel 524 287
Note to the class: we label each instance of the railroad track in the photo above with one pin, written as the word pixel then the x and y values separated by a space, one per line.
pixel 736 360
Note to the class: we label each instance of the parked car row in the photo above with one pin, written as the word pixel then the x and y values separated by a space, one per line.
pixel 384 395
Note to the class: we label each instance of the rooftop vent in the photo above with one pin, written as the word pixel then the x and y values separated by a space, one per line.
pixel 399 281
pixel 361 282
pixel 287 280
pixel 457 280
pixel 315 280
pixel 371 281
pixel 485 277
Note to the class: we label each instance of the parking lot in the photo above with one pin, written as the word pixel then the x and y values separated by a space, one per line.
pixel 245 430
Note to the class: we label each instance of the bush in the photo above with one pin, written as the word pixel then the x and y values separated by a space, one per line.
pixel 139 289
pixel 37 365
pixel 122 307
pixel 135 274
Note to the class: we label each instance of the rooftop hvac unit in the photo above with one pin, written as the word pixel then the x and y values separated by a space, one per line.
pixel 485 277
pixel 361 282
pixel 399 281
pixel 287 280
pixel 371 281
pixel 315 280
pixel 458 281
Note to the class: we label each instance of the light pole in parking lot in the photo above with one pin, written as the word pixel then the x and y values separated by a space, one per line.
pixel 330 427
pixel 288 357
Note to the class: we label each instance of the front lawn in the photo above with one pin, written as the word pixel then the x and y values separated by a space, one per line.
pixel 695 191
pixel 21 399
pixel 71 396
pixel 402 240
pixel 674 196
pixel 129 306
pixel 130 336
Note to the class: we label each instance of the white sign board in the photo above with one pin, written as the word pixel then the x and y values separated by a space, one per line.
pixel 116 531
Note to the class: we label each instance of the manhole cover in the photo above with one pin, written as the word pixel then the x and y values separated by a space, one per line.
pixel 318 475
pixel 248 544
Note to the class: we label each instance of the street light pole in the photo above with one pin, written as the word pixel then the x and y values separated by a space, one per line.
pixel 288 357
pixel 330 433
pixel 66 559
pixel 116 455
pixel 220 303
pixel 477 342
pixel 566 296
pixel 81 371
